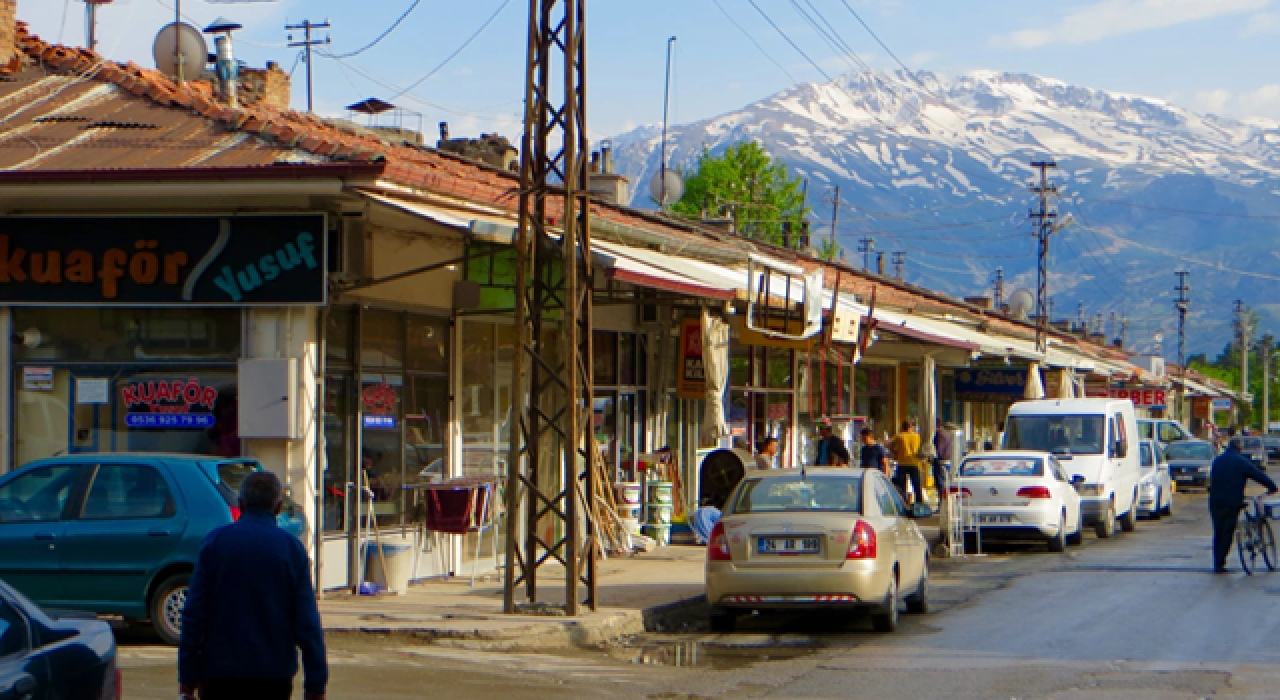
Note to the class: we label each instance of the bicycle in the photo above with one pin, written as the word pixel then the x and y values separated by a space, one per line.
pixel 1254 537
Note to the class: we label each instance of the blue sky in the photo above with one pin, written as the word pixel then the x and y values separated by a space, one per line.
pixel 1208 55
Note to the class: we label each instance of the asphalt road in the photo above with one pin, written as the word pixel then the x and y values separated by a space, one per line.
pixel 1139 616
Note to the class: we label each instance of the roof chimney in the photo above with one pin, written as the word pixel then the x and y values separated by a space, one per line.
pixel 606 157
pixel 444 131
pixel 9 60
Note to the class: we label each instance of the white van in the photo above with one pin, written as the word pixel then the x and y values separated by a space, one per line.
pixel 1096 440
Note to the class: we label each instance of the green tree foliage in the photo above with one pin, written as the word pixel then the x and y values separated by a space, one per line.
pixel 1226 368
pixel 745 184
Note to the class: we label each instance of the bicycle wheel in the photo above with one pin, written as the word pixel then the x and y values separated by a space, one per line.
pixel 1244 543
pixel 1267 543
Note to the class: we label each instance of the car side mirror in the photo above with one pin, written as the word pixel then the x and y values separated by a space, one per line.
pixel 1121 449
pixel 921 510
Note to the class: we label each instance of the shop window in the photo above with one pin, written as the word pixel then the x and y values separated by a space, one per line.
pixel 740 365
pixel 484 403
pixel 338 409
pixel 627 359
pixel 426 429
pixel 381 447
pixel 381 340
pixel 126 491
pixel 778 368
pixel 338 337
pixel 127 335
pixel 428 340
pixel 874 388
pixel 604 361
pixel 912 397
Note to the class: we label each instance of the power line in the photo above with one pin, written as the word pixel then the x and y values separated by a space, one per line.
pixel 454 55
pixel 795 46
pixel 752 39
pixel 399 20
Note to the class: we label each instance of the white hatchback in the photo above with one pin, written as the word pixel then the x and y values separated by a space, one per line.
pixel 1156 488
pixel 1020 495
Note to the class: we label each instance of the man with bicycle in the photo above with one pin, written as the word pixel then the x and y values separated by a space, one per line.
pixel 1230 472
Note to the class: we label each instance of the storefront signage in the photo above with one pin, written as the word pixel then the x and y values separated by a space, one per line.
pixel 181 403
pixel 192 261
pixel 37 378
pixel 379 407
pixel 991 385
pixel 692 380
pixel 1097 390
pixel 93 391
pixel 1145 398
pixel 1221 405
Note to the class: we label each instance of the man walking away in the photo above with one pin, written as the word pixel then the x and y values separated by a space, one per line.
pixel 1228 476
pixel 905 448
pixel 251 607
pixel 873 455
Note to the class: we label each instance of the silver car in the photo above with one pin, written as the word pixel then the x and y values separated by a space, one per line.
pixel 1155 491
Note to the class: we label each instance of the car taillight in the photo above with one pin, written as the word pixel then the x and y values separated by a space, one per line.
pixel 863 543
pixel 119 685
pixel 235 513
pixel 1034 492
pixel 960 490
pixel 718 547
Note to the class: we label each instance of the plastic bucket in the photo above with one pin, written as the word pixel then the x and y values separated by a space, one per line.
pixel 628 493
pixel 660 534
pixel 659 515
pixel 660 492
pixel 397 556
pixel 631 526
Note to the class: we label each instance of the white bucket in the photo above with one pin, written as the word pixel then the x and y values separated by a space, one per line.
pixel 660 534
pixel 631 525
pixel 628 492
pixel 660 515
pixel 397 556
pixel 660 492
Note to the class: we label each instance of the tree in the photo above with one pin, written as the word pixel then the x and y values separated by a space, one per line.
pixel 747 185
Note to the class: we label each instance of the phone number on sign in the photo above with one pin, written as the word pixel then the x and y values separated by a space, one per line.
pixel 169 420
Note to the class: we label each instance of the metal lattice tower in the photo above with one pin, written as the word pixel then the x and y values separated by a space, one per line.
pixel 899 264
pixel 1182 303
pixel 866 246
pixel 1044 219
pixel 999 288
pixel 550 477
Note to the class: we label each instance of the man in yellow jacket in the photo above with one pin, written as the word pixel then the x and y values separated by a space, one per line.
pixel 905 447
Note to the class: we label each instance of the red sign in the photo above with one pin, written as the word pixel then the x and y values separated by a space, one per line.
pixel 1142 397
pixel 692 381
pixel 178 396
pixel 379 400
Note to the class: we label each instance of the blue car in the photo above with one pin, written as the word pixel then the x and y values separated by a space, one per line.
pixel 118 534
pixel 50 657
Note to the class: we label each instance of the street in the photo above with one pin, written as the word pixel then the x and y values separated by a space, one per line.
pixel 1139 616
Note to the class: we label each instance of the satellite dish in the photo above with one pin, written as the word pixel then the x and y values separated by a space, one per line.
pixel 180 51
pixel 673 190
pixel 1020 303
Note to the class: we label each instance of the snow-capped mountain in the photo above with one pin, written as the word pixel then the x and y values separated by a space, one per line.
pixel 938 166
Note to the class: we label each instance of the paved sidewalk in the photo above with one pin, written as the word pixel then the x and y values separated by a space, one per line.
pixel 454 613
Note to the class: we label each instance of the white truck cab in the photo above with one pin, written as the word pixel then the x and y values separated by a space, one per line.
pixel 1096 440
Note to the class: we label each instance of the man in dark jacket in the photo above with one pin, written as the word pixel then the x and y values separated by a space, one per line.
pixel 831 449
pixel 251 607
pixel 1230 473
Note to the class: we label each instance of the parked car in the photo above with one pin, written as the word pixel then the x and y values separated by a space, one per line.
pixel 48 656
pixel 118 534
pixel 1272 443
pixel 1254 449
pixel 1162 431
pixel 818 539
pixel 1093 438
pixel 1156 493
pixel 1021 496
pixel 1189 462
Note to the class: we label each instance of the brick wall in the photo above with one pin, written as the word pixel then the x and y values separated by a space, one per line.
pixel 271 87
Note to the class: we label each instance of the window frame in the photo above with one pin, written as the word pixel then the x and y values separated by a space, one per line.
pixel 167 511
pixel 27 637
pixel 75 496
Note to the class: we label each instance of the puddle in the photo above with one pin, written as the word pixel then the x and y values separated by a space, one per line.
pixel 715 655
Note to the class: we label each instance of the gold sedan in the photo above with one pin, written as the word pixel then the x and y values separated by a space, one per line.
pixel 816 539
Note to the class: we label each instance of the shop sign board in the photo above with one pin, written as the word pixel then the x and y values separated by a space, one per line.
pixel 92 391
pixel 1142 398
pixel 37 378
pixel 1220 405
pixel 991 385
pixel 378 407
pixel 1097 390
pixel 178 403
pixel 163 260
pixel 692 381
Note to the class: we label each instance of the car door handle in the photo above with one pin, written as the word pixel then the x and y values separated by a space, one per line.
pixel 45 536
pixel 159 532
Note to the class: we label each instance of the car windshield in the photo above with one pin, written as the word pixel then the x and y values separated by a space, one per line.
pixel 1189 450
pixel 1146 429
pixel 1252 443
pixel 1067 434
pixel 1147 459
pixel 793 494
pixel 231 475
pixel 994 466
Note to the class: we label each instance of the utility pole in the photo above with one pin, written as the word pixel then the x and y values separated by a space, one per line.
pixel 1266 382
pixel 307 42
pixel 866 246
pixel 880 264
pixel 899 263
pixel 1044 218
pixel 666 101
pixel 835 215
pixel 1181 304
pixel 1242 336
pixel 1080 316
pixel 999 290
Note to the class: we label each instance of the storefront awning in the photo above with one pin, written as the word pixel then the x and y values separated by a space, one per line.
pixel 650 269
pixel 494 227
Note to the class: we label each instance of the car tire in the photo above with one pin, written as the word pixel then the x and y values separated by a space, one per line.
pixel 1106 527
pixel 1156 511
pixel 1129 522
pixel 918 602
pixel 1058 543
pixel 1076 538
pixel 166 608
pixel 885 618
pixel 1167 511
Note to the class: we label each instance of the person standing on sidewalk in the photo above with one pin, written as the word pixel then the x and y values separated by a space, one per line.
pixel 251 608
pixel 831 449
pixel 872 454
pixel 767 452
pixel 905 448
pixel 1230 472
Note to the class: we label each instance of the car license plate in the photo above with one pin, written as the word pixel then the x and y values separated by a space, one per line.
pixel 788 545
pixel 995 519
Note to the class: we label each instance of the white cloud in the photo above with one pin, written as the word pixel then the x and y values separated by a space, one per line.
pixel 1261 24
pixel 1113 18
pixel 919 60
pixel 1213 101
pixel 1263 102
